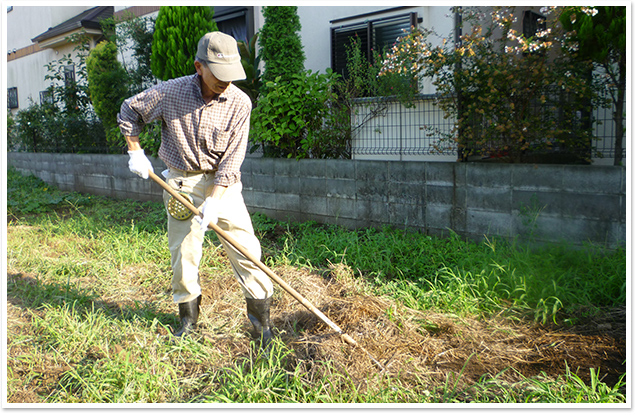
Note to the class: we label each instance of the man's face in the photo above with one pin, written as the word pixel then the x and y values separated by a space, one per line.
pixel 210 83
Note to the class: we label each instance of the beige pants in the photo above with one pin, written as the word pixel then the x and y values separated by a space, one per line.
pixel 185 239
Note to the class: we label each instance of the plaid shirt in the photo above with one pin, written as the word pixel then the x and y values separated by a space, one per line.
pixel 194 135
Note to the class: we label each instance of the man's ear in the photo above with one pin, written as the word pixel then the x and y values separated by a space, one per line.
pixel 198 65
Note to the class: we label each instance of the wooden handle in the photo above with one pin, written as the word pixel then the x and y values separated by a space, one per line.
pixel 348 339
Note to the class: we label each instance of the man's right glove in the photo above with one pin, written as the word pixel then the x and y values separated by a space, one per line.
pixel 210 213
pixel 139 163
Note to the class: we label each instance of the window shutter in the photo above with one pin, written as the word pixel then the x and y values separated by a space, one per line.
pixel 387 32
pixel 341 39
pixel 373 35
pixel 532 23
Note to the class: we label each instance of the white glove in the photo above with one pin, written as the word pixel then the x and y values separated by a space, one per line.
pixel 210 213
pixel 139 163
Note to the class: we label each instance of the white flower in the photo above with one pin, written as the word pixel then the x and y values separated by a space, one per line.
pixel 547 10
pixel 543 33
pixel 589 11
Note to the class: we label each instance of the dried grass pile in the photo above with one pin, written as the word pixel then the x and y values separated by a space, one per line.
pixel 410 345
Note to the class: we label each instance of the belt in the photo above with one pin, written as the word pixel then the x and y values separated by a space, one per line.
pixel 188 173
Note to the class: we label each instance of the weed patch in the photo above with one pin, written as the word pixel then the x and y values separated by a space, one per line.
pixel 90 316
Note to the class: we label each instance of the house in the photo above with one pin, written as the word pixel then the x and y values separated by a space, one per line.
pixel 36 36
pixel 39 35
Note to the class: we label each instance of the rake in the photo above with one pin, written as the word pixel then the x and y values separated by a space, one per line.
pixel 306 303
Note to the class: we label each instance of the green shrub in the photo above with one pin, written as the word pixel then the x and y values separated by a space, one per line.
pixel 107 81
pixel 66 123
pixel 46 128
pixel 280 44
pixel 514 98
pixel 251 62
pixel 300 118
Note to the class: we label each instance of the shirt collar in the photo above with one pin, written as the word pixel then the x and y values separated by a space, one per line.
pixel 196 81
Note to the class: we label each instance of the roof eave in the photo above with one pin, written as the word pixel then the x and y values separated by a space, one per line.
pixel 65 38
pixel 89 20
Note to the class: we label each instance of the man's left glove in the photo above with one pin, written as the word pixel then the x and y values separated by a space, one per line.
pixel 210 213
pixel 139 163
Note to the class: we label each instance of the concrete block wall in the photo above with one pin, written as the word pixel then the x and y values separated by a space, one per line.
pixel 100 174
pixel 548 203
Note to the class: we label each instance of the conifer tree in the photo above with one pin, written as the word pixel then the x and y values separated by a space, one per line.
pixel 176 34
pixel 280 44
pixel 107 86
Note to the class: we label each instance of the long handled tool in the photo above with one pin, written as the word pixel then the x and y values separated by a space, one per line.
pixel 348 339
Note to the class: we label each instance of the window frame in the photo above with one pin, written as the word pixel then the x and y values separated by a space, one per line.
pixel 533 22
pixel 368 28
pixel 69 74
pixel 12 98
pixel 228 17
pixel 46 97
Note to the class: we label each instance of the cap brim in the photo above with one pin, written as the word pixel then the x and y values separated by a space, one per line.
pixel 227 72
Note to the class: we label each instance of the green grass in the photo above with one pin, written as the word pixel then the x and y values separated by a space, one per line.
pixel 81 257
pixel 451 274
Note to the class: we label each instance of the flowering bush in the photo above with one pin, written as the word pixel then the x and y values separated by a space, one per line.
pixel 512 96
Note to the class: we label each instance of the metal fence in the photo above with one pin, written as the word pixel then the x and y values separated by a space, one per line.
pixel 604 130
pixel 383 127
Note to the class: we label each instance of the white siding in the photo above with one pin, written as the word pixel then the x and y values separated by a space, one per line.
pixel 26 22
pixel 23 24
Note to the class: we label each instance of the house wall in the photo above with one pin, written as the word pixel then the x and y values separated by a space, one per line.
pixel 26 67
pixel 545 203
pixel 26 22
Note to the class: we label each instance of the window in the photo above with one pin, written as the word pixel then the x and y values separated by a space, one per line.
pixel 13 97
pixel 46 97
pixel 374 35
pixel 233 21
pixel 533 23
pixel 69 74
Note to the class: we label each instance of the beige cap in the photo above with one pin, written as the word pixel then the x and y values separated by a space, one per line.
pixel 220 52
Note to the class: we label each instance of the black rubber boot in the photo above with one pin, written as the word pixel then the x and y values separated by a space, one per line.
pixel 188 312
pixel 258 313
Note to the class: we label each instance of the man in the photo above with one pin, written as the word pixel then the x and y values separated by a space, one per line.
pixel 205 126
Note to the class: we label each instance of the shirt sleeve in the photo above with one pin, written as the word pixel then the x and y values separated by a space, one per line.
pixel 139 110
pixel 228 171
